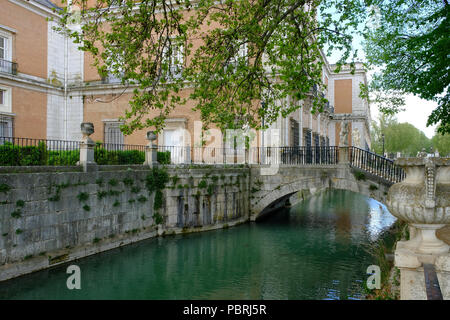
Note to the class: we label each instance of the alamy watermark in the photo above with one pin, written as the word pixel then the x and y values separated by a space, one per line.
pixel 74 280
pixel 374 280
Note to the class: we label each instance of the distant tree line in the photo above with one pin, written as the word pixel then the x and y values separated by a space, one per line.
pixel 405 138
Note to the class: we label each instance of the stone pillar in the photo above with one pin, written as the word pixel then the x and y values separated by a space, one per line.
pixel 422 200
pixel 87 148
pixel 151 150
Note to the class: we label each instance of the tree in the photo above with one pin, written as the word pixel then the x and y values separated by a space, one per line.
pixel 410 43
pixel 442 144
pixel 378 129
pixel 238 53
pixel 398 137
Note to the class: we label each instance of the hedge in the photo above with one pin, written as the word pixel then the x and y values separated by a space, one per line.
pixel 13 155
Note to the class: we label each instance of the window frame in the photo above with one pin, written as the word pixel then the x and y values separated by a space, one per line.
pixel 5 105
pixel 6 118
pixel 176 59
pixel 112 124
pixel 7 44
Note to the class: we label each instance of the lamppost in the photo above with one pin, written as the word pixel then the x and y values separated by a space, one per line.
pixel 382 137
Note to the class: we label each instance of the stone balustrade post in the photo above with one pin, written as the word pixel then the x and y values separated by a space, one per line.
pixel 87 148
pixel 344 155
pixel 151 150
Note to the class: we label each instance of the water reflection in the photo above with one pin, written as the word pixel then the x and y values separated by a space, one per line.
pixel 314 250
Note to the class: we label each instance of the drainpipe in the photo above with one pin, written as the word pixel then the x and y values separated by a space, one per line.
pixel 66 45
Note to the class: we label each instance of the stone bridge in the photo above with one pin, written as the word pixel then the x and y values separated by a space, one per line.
pixel 351 169
pixel 293 183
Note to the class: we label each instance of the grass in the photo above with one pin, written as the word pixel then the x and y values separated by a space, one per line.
pixel 389 275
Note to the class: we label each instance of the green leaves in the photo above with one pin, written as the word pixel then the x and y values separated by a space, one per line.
pixel 410 45
pixel 227 57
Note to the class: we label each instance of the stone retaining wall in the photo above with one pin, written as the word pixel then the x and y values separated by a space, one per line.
pixel 47 218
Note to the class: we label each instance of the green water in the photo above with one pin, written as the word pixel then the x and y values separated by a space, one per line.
pixel 315 250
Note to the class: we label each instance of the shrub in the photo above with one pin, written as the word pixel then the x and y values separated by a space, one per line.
pixel 83 196
pixel 128 182
pixel 163 157
pixel 158 218
pixel 20 203
pixel 142 199
pixel 359 175
pixel 202 184
pixel 4 188
pixel 114 157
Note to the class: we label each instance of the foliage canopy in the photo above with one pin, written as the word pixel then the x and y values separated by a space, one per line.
pixel 410 44
pixel 237 53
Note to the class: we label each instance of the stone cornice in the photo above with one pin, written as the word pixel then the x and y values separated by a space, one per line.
pixel 22 81
pixel 36 8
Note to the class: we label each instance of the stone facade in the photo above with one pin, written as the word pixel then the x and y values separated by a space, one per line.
pixel 72 92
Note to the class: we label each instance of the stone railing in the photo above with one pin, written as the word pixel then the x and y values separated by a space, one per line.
pixel 423 200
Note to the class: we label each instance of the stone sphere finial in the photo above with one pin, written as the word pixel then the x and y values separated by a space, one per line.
pixel 151 136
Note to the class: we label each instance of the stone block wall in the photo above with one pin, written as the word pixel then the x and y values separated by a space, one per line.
pixel 54 217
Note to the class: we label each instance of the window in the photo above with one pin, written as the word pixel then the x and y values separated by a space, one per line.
pixel 6 128
pixel 2 48
pixel 241 54
pixel 174 58
pixel 5 53
pixel 5 99
pixel 295 128
pixel 113 136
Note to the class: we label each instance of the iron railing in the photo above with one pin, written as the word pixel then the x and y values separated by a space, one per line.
pixel 29 152
pixel 8 66
pixel 295 155
pixel 376 164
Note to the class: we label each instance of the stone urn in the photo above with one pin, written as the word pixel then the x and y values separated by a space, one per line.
pixel 151 136
pixel 423 200
pixel 87 128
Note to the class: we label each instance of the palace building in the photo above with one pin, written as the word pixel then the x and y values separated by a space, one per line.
pixel 48 88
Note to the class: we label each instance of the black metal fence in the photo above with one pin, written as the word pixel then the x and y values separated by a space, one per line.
pixel 375 164
pixel 254 155
pixel 295 155
pixel 45 152
pixel 34 152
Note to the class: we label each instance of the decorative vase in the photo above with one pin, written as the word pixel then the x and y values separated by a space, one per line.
pixel 423 200
pixel 151 136
pixel 87 128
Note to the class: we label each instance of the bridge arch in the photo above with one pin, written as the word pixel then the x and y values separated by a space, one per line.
pixel 301 182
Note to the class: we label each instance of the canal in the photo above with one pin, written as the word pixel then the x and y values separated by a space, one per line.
pixel 317 249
